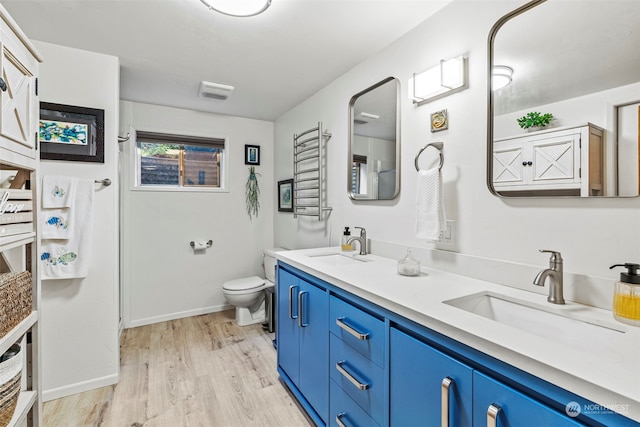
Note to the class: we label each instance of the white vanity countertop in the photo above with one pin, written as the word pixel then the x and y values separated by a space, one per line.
pixel 608 375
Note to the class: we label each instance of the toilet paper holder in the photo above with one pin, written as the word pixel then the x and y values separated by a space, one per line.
pixel 209 244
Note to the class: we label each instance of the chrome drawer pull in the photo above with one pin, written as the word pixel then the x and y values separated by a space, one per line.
pixel 291 291
pixel 350 377
pixel 492 415
pixel 359 335
pixel 444 409
pixel 339 419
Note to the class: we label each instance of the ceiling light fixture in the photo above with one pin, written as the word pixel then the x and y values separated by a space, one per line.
pixel 501 76
pixel 238 8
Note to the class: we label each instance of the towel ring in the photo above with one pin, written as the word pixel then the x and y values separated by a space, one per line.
pixel 438 145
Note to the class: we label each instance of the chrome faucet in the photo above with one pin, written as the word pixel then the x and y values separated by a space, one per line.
pixel 362 239
pixel 554 273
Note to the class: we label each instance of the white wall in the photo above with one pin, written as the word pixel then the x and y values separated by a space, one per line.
pixel 591 234
pixel 163 277
pixel 79 317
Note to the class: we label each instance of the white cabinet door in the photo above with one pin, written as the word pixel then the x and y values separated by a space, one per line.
pixel 508 166
pixel 20 109
pixel 555 160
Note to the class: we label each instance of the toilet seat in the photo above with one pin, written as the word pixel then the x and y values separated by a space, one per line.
pixel 244 285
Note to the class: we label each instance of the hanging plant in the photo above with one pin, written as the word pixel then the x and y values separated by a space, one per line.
pixel 252 193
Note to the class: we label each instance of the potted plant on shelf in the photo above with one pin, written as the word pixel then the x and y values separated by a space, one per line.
pixel 535 120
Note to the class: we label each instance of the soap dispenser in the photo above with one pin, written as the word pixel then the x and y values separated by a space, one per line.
pixel 346 246
pixel 626 295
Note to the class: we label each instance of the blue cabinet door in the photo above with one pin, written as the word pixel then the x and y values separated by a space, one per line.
pixel 426 384
pixel 510 407
pixel 313 320
pixel 288 331
pixel 303 339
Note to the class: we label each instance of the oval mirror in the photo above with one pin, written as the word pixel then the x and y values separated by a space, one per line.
pixel 374 142
pixel 566 122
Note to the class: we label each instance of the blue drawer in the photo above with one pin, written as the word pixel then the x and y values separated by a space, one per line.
pixel 347 321
pixel 342 407
pixel 370 396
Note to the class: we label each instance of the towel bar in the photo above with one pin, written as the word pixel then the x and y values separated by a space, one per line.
pixel 437 145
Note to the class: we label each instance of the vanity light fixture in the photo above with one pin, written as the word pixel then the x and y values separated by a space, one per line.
pixel 501 76
pixel 238 8
pixel 447 77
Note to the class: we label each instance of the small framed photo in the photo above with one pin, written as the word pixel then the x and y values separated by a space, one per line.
pixel 439 121
pixel 251 154
pixel 285 195
pixel 71 133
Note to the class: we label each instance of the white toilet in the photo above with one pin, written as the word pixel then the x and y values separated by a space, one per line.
pixel 248 293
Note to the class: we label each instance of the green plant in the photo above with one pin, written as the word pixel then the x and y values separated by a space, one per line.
pixel 252 193
pixel 534 119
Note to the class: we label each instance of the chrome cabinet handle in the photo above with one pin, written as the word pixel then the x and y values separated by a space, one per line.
pixel 351 378
pixel 352 331
pixel 444 408
pixel 291 291
pixel 492 415
pixel 339 419
pixel 301 322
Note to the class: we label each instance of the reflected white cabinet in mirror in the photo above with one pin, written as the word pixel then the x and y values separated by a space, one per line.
pixel 374 142
pixel 581 63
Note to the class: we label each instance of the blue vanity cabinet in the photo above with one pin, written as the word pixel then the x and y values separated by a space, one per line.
pixel 427 387
pixel 496 404
pixel 303 341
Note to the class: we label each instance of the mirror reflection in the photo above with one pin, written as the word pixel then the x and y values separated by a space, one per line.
pixel 374 142
pixel 566 122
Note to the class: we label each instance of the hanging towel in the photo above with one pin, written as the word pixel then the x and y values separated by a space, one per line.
pixel 58 191
pixel 431 218
pixel 71 257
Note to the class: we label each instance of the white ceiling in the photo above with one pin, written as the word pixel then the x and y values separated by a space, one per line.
pixel 275 60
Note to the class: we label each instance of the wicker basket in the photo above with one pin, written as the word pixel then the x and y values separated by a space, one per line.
pixel 15 299
pixel 10 375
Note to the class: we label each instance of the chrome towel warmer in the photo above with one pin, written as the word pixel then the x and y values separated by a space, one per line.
pixel 308 173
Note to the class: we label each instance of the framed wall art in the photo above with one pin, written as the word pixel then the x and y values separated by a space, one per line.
pixel 285 195
pixel 72 133
pixel 439 121
pixel 251 154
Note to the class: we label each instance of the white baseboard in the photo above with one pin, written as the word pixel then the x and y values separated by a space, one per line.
pixel 68 390
pixel 178 315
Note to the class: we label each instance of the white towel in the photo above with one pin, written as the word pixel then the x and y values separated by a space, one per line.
pixel 71 258
pixel 431 218
pixel 58 191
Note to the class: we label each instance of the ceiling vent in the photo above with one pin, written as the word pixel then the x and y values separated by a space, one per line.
pixel 363 118
pixel 215 91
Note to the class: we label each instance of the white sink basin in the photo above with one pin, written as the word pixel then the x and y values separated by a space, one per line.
pixel 553 323
pixel 339 259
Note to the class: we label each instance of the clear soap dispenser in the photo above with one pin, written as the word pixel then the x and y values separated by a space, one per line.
pixel 409 266
pixel 626 295
pixel 346 246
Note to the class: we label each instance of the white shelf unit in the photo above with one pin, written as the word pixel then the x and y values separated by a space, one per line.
pixel 19 241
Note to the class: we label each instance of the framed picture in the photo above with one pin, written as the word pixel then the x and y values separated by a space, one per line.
pixel 251 154
pixel 285 195
pixel 72 133
pixel 439 121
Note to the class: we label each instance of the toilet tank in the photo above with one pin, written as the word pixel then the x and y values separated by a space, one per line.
pixel 270 263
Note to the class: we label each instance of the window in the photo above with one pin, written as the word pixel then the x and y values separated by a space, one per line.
pixel 164 160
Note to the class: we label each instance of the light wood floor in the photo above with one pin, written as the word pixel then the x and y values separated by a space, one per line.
pixel 197 371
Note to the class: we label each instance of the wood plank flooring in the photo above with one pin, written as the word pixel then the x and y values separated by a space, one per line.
pixel 198 371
